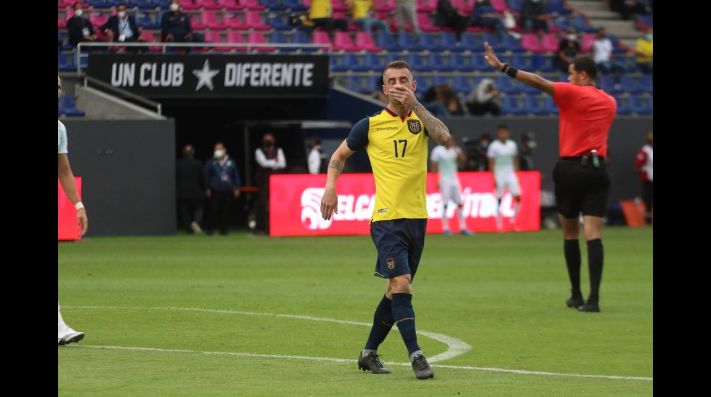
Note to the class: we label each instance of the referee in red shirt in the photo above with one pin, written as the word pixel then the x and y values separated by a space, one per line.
pixel 580 175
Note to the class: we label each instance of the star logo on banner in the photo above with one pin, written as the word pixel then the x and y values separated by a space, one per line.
pixel 205 75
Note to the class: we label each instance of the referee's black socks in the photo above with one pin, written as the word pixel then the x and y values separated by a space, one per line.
pixel 595 259
pixel 571 248
pixel 382 323
pixel 404 316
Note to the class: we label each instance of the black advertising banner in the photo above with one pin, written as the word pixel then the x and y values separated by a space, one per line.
pixel 213 75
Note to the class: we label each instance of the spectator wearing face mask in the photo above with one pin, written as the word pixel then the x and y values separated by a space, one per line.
pixel 175 25
pixel 79 27
pixel 270 159
pixel 568 49
pixel 223 182
pixel 122 28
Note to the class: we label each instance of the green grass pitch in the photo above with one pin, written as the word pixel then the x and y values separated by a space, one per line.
pixel 194 316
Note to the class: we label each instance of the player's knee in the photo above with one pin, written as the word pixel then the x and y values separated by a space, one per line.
pixel 400 284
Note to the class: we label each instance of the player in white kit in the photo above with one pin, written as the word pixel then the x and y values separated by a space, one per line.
pixel 65 334
pixel 444 160
pixel 503 161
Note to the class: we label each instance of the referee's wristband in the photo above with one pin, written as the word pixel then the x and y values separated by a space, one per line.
pixel 79 205
pixel 511 71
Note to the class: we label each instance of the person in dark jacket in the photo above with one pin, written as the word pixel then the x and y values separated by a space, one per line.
pixel 122 28
pixel 222 181
pixel 175 25
pixel 79 27
pixel 447 15
pixel 190 188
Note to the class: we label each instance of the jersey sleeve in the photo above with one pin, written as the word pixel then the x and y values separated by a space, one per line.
pixel 358 137
pixel 563 93
pixel 491 150
pixel 63 145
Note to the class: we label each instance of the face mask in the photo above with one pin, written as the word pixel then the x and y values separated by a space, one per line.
pixel 532 144
pixel 122 14
pixel 174 7
pixel 78 12
pixel 219 153
pixel 572 37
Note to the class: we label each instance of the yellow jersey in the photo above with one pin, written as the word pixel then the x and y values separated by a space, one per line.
pixel 360 8
pixel 320 9
pixel 646 48
pixel 397 147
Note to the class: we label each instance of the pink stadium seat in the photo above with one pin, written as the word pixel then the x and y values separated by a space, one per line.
pixel 425 23
pixel 97 18
pixel 252 5
pixel 210 4
pixel 258 38
pixel 196 22
pixel 209 19
pixel 254 21
pixel 235 37
pixel 384 5
pixel 234 21
pixel 364 41
pixel 61 23
pixel 462 6
pixel 530 42
pixel 230 5
pixel 68 13
pixel 550 42
pixel 338 5
pixel 342 42
pixel 320 37
pixel 499 5
pixel 148 37
pixel 586 42
pixel 188 5
pixel 212 37
pixel 340 14
pixel 426 5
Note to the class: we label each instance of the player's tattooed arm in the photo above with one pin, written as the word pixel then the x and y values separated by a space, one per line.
pixel 434 126
pixel 329 201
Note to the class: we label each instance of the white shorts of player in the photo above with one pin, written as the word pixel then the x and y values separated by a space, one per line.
pixel 450 191
pixel 507 180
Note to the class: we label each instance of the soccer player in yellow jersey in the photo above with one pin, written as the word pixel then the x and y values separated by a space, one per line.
pixel 396 142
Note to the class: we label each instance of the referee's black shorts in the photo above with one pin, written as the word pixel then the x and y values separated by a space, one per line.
pixel 581 187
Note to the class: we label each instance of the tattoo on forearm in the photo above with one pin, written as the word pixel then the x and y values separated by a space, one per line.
pixel 435 127
pixel 335 164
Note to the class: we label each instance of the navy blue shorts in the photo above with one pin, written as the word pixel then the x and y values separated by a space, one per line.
pixel 399 243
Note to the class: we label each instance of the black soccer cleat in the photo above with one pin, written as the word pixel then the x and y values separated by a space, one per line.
pixel 589 307
pixel 575 301
pixel 422 367
pixel 371 362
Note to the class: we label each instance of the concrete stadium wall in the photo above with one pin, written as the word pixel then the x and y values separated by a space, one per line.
pixel 128 174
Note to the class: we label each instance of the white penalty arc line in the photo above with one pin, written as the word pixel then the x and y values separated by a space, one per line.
pixel 351 361
pixel 455 346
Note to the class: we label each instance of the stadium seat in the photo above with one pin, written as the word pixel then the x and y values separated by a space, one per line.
pixel 460 62
pixel 188 5
pixel 295 5
pixel 387 41
pixel 65 63
pixel 499 5
pixel 461 85
pixel 210 5
pixel 321 37
pixel 253 20
pixel 530 42
pixel 536 104
pixel 279 21
pixel 549 43
pixel 256 37
pixel 235 37
pixel 210 21
pixel 508 86
pixel 214 37
pixel 364 41
pixel 234 21
pixel 513 105
pixel 253 5
pixel 424 22
pixel 66 106
pixel 97 19
pixel 472 42
pixel 623 105
pixel 230 5
pixel 148 37
pixel 641 104
pixel 543 63
pixel 384 5
pixel 374 62
pixel 586 42
pixel 515 4
pixel 342 42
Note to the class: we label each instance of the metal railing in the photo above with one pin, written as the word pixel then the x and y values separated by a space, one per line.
pixel 123 93
pixel 248 46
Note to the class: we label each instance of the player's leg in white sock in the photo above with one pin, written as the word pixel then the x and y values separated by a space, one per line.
pixel 445 220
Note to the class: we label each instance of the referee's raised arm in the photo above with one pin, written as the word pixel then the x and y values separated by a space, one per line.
pixel 529 78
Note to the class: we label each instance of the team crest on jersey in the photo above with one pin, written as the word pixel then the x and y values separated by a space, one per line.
pixel 414 126
pixel 390 262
